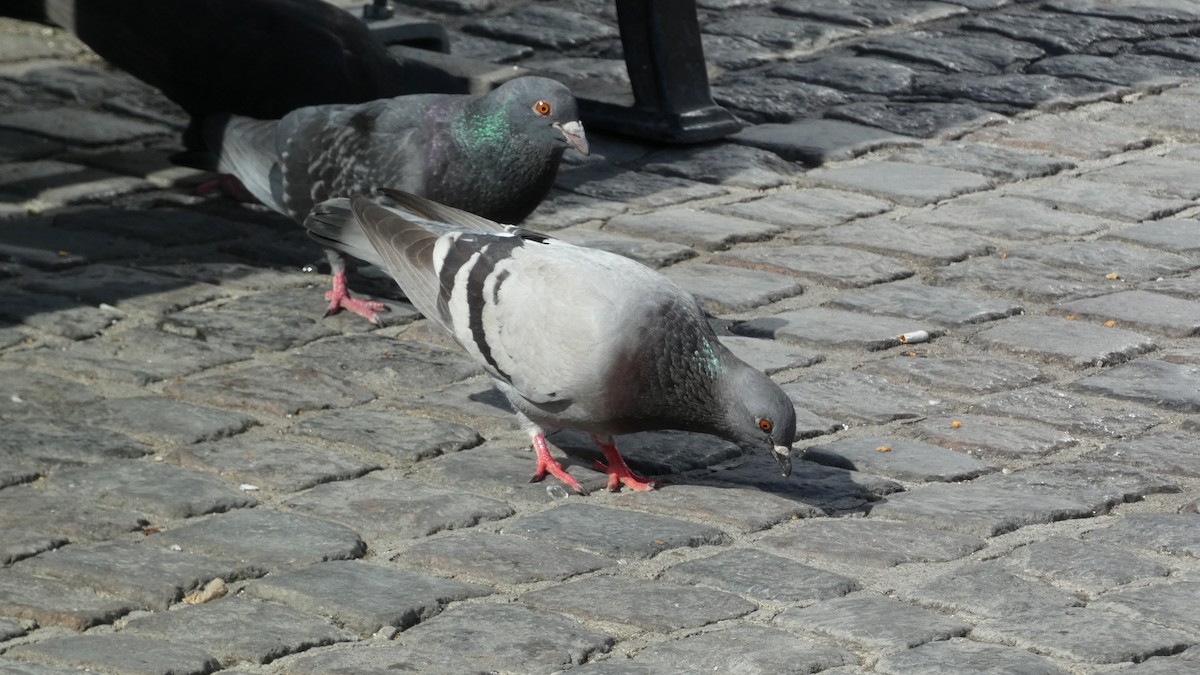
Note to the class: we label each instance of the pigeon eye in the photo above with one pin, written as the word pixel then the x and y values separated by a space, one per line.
pixel 766 425
pixel 542 108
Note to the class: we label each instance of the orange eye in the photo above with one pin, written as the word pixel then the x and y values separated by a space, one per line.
pixel 542 108
pixel 765 425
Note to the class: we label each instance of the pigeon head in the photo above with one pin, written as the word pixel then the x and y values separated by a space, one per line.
pixel 759 415
pixel 544 110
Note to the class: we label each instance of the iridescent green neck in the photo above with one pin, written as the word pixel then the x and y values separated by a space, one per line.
pixel 478 130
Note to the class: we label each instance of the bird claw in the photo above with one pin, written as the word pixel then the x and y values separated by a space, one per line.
pixel 548 465
pixel 365 308
pixel 622 475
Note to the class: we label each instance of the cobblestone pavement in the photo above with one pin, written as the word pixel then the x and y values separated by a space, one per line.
pixel 1012 488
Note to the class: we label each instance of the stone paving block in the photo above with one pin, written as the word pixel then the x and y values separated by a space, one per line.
pixel 818 141
pixel 732 165
pixel 278 389
pixel 152 577
pixel 1164 176
pixel 56 441
pixel 117 654
pixel 657 606
pixel 924 119
pixel 699 229
pixel 994 439
pixel 137 356
pixel 1167 665
pixel 50 602
pixel 1082 634
pixel 780 33
pixel 1076 344
pixel 18 543
pixel 1141 310
pixel 834 328
pixel 124 287
pixel 168 227
pixel 986 590
pixel 755 574
pixel 562 209
pixel 929 244
pixel 947 657
pixel 1078 195
pixel 38 245
pixel 243 324
pixel 806 209
pixel 1165 385
pixel 745 648
pixel 508 637
pixel 656 453
pixel 1162 113
pixel 1168 604
pixel 753 103
pixel 1125 69
pixel 612 532
pixel 81 126
pixel 817 490
pixel 386 658
pixel 272 539
pixel 270 463
pixel 872 622
pixel 725 289
pixel 159 490
pixel 395 437
pixel 872 14
pixel 1173 453
pixel 1006 217
pixel 770 356
pixel 1076 414
pixel 33 393
pixel 857 74
pixel 954 51
pixel 1168 533
pixel 1061 136
pixel 159 419
pixel 497 558
pixel 14 475
pixel 1101 484
pixel 636 190
pixel 58 315
pixel 17 146
pixel 898 458
pixel 540 26
pixel 928 303
pixel 1088 567
pixel 966 374
pixel 384 506
pixel 737 509
pixel 999 163
pixel 50 513
pixel 1022 278
pixel 1008 92
pixel 363 597
pixel 909 184
pixel 860 397
pixel 989 509
pixel 645 251
pixel 1179 235
pixel 832 265
pixel 869 543
pixel 1103 257
pixel 11 629
pixel 235 631
pixel 388 367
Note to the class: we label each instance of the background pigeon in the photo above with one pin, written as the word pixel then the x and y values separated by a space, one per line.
pixel 495 155
pixel 575 337
pixel 258 58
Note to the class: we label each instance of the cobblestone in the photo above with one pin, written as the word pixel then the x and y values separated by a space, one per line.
pixel 976 169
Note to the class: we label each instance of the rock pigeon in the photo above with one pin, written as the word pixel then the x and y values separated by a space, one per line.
pixel 258 58
pixel 576 338
pixel 495 155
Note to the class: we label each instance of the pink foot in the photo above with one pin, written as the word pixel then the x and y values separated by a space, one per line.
pixel 339 299
pixel 618 472
pixel 547 464
pixel 229 186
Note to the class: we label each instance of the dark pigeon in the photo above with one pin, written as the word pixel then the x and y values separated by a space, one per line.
pixel 576 338
pixel 495 155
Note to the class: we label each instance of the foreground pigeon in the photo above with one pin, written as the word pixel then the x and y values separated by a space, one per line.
pixel 576 338
pixel 496 155
pixel 258 58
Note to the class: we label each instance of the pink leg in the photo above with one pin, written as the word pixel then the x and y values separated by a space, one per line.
pixel 229 186
pixel 618 472
pixel 547 464
pixel 339 299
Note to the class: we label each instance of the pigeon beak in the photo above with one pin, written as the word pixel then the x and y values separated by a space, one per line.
pixel 573 132
pixel 783 455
